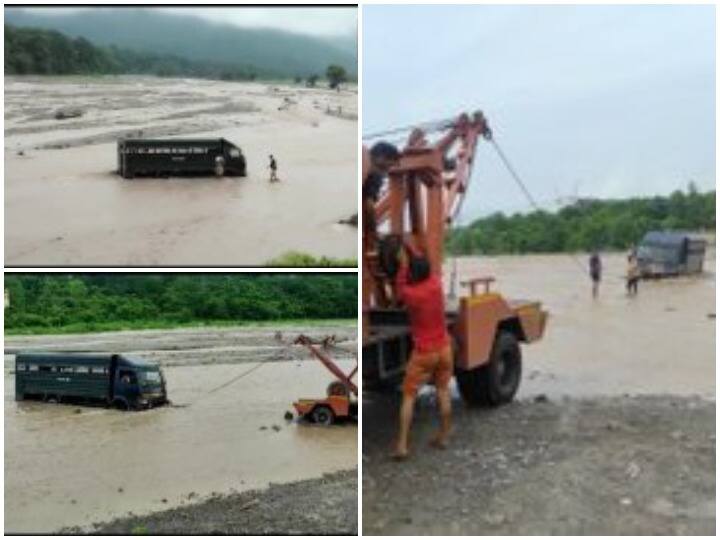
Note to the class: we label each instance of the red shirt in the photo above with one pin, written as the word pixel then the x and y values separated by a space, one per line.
pixel 426 306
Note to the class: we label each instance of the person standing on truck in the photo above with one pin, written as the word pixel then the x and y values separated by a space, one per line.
pixel 273 169
pixel 431 358
pixel 595 272
pixel 376 163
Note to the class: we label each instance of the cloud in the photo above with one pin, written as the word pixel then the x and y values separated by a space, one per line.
pixel 318 21
pixel 619 100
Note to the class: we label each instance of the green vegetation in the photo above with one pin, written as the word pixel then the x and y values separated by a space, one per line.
pixel 139 530
pixel 585 225
pixel 33 51
pixel 296 259
pixel 47 52
pixel 335 75
pixel 65 303
pixel 269 53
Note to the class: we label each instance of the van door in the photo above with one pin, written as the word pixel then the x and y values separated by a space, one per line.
pixel 126 385
pixel 112 377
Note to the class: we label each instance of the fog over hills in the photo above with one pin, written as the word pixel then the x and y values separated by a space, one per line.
pixel 192 37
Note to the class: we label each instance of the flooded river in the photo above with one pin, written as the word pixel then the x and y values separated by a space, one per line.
pixel 68 465
pixel 64 172
pixel 662 341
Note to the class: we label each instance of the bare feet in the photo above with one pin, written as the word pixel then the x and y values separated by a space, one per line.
pixel 439 441
pixel 399 453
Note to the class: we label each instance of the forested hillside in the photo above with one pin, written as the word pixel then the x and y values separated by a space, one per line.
pixel 83 302
pixel 149 31
pixel 31 51
pixel 586 225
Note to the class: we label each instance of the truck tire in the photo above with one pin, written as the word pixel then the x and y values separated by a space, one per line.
pixel 496 382
pixel 121 405
pixel 322 415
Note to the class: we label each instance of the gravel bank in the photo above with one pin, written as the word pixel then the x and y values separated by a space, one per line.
pixel 321 506
pixel 606 466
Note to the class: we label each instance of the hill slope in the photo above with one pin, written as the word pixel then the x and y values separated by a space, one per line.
pixel 48 52
pixel 193 38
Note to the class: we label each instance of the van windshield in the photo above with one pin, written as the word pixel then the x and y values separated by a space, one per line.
pixel 149 377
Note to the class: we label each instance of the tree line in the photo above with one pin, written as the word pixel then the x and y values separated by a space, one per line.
pixel 585 225
pixel 32 51
pixel 35 51
pixel 86 302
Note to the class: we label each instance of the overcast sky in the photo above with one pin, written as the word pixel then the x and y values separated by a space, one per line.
pixel 318 21
pixel 601 101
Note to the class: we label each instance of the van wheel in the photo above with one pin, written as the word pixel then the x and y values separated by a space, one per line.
pixel 496 382
pixel 219 170
pixel 322 415
pixel 121 405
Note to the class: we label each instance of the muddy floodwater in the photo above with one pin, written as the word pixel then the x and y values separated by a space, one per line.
pixel 73 466
pixel 662 341
pixel 64 205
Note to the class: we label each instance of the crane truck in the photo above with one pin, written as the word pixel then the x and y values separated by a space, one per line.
pixel 423 195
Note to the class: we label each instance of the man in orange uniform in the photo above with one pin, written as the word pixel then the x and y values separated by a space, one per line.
pixel 431 360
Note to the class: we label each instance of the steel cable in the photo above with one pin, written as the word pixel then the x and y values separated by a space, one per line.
pixel 526 192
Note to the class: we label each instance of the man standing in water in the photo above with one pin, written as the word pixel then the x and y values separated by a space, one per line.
pixel 633 275
pixel 273 169
pixel 431 359
pixel 595 272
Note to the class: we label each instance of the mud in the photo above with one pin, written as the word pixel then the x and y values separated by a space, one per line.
pixel 70 466
pixel 65 206
pixel 613 433
pixel 320 506
pixel 196 346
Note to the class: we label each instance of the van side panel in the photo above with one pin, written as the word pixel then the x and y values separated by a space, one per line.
pixel 68 377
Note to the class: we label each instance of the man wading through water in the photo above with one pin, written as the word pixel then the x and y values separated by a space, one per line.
pixel 595 272
pixel 431 359
pixel 273 169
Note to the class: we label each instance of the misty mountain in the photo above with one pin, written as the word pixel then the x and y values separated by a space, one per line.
pixel 38 51
pixel 194 38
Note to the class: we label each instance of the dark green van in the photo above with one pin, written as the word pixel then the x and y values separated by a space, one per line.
pixel 166 157
pixel 116 380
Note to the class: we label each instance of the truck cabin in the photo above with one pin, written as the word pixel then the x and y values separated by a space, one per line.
pixel 179 157
pixel 116 380
pixel 662 254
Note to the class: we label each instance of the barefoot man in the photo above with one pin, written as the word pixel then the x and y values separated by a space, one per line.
pixel 431 359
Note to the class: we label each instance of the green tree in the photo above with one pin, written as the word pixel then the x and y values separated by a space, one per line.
pixel 336 75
